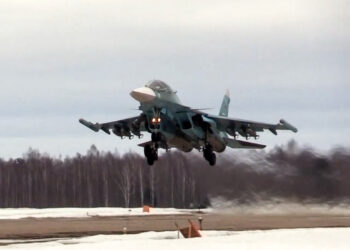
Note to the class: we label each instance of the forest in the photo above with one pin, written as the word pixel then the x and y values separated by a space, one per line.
pixel 105 179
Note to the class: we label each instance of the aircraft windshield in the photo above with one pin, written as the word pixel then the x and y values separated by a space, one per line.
pixel 159 86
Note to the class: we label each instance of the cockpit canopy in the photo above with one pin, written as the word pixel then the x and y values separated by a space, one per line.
pixel 158 85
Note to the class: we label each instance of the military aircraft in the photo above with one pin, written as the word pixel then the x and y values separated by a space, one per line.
pixel 173 125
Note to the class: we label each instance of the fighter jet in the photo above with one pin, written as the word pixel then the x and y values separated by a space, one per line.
pixel 174 125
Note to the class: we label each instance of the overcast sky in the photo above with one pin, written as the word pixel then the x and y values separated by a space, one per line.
pixel 63 60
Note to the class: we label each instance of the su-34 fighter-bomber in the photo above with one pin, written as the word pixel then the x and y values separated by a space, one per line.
pixel 173 125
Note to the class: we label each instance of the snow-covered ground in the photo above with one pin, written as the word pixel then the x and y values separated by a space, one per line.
pixel 19 213
pixel 283 239
pixel 218 206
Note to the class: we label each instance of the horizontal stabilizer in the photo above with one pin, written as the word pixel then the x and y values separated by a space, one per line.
pixel 143 144
pixel 95 127
pixel 160 144
pixel 232 143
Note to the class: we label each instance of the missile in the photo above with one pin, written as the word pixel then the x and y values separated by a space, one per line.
pixel 231 132
pixel 251 132
pixel 117 130
pixel 95 127
pixel 135 129
pixel 106 130
pixel 288 125
pixel 125 131
pixel 273 131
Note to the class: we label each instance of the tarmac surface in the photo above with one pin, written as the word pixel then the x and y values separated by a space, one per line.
pixel 40 228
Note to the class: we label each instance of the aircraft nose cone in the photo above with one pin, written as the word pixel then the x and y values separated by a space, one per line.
pixel 143 94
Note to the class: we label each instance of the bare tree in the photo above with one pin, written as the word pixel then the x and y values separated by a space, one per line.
pixel 176 180
pixel 141 184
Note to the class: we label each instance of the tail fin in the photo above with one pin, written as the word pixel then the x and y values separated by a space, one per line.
pixel 225 104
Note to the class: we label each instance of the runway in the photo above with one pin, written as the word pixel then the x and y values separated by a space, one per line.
pixel 39 228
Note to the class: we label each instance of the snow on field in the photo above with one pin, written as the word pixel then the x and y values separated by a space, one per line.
pixel 301 239
pixel 19 213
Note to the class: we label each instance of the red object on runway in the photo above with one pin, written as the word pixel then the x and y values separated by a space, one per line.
pixel 192 231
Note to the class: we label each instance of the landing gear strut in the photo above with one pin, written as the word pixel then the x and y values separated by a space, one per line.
pixel 156 137
pixel 209 155
pixel 151 153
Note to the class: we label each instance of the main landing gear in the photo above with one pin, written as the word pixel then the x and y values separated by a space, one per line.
pixel 209 155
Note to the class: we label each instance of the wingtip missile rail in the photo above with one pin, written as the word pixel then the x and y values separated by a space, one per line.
pixel 95 127
pixel 288 126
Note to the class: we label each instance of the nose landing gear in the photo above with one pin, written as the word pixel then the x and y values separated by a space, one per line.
pixel 156 137
pixel 209 155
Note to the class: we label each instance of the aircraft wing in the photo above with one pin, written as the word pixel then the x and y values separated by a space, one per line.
pixel 247 127
pixel 121 128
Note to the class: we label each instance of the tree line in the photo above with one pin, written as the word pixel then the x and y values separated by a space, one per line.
pixel 105 179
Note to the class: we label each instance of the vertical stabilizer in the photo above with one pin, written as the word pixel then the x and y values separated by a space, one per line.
pixel 225 104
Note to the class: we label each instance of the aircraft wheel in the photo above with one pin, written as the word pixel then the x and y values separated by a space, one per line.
pixel 152 155
pixel 150 160
pixel 207 152
pixel 147 150
pixel 155 155
pixel 206 156
pixel 212 159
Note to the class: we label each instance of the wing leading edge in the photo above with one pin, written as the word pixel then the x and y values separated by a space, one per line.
pixel 246 127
